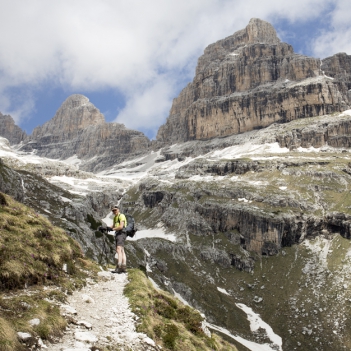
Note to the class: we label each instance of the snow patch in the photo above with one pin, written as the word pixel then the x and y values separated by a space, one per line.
pixel 238 151
pixel 242 199
pixel 197 178
pixel 179 297
pixel 73 160
pixel 347 112
pixel 223 291
pixel 153 233
pixel 310 149
pixel 253 346
pixel 256 322
pixel 154 283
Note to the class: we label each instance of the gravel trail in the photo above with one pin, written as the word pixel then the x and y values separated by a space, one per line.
pixel 99 316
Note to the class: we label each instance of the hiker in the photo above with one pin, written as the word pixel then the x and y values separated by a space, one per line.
pixel 119 222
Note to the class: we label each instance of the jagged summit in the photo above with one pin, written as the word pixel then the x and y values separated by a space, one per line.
pixel 75 100
pixel 9 130
pixel 76 113
pixel 261 31
pixel 257 31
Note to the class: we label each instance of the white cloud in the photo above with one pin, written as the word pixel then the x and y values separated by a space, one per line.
pixel 25 105
pixel 150 105
pixel 338 38
pixel 143 49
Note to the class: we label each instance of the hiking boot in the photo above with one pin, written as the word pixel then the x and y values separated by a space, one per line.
pixel 117 270
pixel 124 268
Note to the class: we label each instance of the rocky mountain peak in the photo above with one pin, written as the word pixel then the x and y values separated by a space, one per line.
pixel 75 101
pixel 250 80
pixel 76 113
pixel 79 129
pixel 10 131
pixel 259 31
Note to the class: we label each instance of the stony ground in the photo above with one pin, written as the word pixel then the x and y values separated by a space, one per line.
pixel 99 317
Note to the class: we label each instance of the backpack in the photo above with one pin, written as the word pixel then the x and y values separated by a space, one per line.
pixel 130 229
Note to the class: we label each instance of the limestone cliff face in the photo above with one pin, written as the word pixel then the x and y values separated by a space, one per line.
pixel 251 80
pixel 10 131
pixel 78 128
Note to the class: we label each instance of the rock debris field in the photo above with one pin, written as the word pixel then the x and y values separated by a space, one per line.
pixel 99 316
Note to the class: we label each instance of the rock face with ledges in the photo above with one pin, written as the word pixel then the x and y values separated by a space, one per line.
pixel 251 80
pixel 338 67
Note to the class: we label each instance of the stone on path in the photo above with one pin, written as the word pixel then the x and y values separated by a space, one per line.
pixel 149 341
pixel 35 321
pixel 85 336
pixel 86 298
pixel 105 275
pixel 24 336
pixel 85 324
pixel 68 309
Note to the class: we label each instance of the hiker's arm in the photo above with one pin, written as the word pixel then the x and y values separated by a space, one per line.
pixel 120 227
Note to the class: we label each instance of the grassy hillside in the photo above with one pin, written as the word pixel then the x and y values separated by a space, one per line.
pixel 168 321
pixel 39 263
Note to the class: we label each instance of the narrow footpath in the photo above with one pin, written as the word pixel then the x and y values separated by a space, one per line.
pixel 99 315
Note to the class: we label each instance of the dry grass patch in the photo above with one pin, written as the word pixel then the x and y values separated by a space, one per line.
pixel 8 337
pixel 32 250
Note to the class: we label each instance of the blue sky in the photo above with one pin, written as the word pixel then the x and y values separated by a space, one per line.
pixel 131 58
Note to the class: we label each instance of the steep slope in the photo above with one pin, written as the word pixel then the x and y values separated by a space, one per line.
pixel 251 80
pixel 40 269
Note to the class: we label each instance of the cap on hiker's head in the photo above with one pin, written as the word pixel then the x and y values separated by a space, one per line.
pixel 114 208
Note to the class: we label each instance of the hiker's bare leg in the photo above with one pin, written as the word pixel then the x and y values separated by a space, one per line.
pixel 122 259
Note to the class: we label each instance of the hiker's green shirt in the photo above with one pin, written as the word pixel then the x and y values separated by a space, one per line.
pixel 118 219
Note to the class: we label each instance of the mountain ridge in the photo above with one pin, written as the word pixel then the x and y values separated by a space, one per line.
pixel 79 129
pixel 246 81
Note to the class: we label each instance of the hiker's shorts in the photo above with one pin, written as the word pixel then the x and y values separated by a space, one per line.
pixel 120 238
